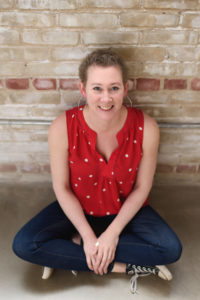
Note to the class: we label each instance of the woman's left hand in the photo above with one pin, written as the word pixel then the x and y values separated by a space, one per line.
pixel 107 243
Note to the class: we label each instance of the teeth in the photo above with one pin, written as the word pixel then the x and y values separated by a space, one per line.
pixel 106 107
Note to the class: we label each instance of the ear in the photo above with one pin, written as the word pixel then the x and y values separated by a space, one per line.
pixel 126 87
pixel 82 89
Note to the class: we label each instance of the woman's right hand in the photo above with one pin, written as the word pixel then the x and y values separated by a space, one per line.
pixel 90 251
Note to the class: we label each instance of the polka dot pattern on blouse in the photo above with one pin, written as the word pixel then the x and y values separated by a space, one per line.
pixel 101 186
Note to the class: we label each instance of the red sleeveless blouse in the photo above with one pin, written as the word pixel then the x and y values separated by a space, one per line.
pixel 101 186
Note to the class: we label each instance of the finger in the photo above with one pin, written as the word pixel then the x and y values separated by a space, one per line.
pixel 89 262
pixel 108 261
pixel 98 261
pixel 103 263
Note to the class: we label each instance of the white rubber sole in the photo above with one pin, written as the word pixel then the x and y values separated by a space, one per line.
pixel 164 273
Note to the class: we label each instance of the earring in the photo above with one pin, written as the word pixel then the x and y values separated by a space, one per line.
pixel 130 101
pixel 81 101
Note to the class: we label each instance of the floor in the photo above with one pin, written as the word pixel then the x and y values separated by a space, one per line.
pixel 180 206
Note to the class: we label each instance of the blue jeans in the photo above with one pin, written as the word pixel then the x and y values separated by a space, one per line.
pixel 46 240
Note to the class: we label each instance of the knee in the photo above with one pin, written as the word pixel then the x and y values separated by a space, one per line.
pixel 174 250
pixel 22 245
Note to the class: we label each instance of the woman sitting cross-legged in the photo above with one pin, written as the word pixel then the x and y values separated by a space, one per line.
pixel 103 157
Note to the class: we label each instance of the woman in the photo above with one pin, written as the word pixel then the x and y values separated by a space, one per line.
pixel 103 158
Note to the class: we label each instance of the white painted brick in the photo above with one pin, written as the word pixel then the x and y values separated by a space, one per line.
pixel 36 53
pixel 68 53
pixel 172 4
pixel 51 69
pixel 60 37
pixel 32 97
pixel 146 97
pixel 32 36
pixel 15 19
pixel 12 69
pixel 50 37
pixel 176 37
pixel 9 36
pixel 125 38
pixel 183 53
pixel 7 4
pixel 88 20
pixel 149 19
pixel 47 4
pixel 110 4
pixel 72 97
pixel 157 69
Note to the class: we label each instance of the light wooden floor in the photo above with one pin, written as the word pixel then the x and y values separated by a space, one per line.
pixel 180 206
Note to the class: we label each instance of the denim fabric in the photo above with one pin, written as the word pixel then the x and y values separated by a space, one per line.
pixel 46 240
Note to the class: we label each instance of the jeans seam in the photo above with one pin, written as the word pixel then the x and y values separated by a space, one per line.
pixel 44 229
pixel 61 255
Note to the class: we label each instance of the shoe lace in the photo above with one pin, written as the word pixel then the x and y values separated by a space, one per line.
pixel 75 273
pixel 137 273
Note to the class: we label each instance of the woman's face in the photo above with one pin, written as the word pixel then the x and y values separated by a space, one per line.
pixel 104 90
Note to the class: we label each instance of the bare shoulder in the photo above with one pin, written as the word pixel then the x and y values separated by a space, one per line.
pixel 58 130
pixel 151 132
pixel 150 125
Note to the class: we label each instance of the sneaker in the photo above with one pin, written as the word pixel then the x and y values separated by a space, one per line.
pixel 47 272
pixel 138 271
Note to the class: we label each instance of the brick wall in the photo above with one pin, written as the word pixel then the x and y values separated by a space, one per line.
pixel 41 45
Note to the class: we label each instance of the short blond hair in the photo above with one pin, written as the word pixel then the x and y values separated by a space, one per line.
pixel 102 57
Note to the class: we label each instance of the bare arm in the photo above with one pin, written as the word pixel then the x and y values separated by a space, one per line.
pixel 58 147
pixel 137 197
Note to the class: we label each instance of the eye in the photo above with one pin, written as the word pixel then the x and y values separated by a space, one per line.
pixel 115 88
pixel 96 88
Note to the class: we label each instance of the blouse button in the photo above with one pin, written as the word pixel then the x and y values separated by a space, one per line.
pixel 126 155
pixel 101 159
pixel 135 142
pixel 108 213
pixel 140 128
pixel 86 160
pixel 91 212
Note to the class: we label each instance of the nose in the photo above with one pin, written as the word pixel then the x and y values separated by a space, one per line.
pixel 106 96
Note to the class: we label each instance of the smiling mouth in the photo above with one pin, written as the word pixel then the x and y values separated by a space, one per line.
pixel 106 108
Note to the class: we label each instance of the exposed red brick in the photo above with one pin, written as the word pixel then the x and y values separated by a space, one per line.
pixel 17 84
pixel 186 169
pixel 8 168
pixel 30 168
pixel 44 83
pixel 175 84
pixel 1 84
pixel 148 84
pixel 162 168
pixel 195 84
pixel 69 84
